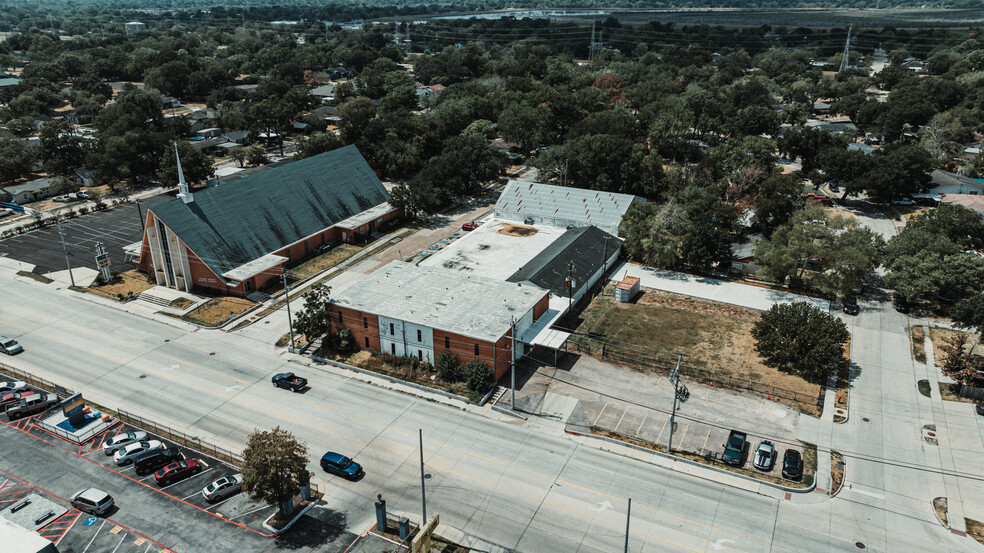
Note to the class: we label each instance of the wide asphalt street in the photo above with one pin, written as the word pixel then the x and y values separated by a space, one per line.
pixel 523 486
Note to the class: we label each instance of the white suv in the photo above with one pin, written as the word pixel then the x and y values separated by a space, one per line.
pixel 93 501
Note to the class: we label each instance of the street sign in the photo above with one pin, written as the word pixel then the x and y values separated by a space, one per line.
pixel 423 541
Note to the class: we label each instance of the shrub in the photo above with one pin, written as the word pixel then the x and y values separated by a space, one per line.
pixel 448 368
pixel 479 377
pixel 458 389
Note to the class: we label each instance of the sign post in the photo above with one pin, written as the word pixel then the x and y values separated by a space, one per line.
pixel 422 543
pixel 72 408
pixel 103 262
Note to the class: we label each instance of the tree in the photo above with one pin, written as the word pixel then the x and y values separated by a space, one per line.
pixel 777 200
pixel 312 319
pixel 61 150
pixel 15 159
pixel 958 363
pixel 960 224
pixel 969 313
pixel 800 339
pixel 448 368
pixel 272 116
pixel 256 155
pixel 274 467
pixel 479 377
pixel 196 166
pixel 239 154
pixel 355 115
pixel 171 78
pixel 317 143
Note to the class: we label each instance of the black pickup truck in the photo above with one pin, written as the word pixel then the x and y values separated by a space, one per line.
pixel 32 405
pixel 735 448
pixel 289 381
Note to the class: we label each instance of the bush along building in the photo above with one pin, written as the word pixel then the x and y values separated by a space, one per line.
pixel 235 238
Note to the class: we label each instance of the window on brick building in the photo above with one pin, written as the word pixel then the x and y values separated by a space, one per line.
pixel 367 341
pixel 365 322
pixel 420 355
pixel 447 343
pixel 392 330
pixel 476 350
pixel 339 316
pixel 419 337
pixel 393 349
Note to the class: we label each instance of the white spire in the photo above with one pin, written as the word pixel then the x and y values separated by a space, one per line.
pixel 183 191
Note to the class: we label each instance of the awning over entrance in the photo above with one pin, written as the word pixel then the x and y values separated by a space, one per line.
pixel 255 266
pixel 540 334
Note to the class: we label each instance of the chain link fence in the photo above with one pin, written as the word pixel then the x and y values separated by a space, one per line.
pixel 180 437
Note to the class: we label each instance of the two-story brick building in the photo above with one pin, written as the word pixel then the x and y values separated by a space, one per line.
pixel 406 309
pixel 236 238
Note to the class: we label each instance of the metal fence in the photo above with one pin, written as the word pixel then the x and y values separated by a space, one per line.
pixel 46 385
pixel 179 437
pixel 666 362
pixel 971 392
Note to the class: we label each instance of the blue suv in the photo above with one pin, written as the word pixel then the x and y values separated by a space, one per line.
pixel 340 465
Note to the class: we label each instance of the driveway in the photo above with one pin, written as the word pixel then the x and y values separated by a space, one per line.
pixel 724 291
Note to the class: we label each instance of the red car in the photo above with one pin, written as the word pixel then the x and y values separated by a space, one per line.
pixel 469 226
pixel 177 471
pixel 15 397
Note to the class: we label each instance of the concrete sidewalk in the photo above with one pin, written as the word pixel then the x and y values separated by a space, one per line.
pixel 723 291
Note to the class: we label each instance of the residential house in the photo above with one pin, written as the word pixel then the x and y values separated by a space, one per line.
pixel 27 192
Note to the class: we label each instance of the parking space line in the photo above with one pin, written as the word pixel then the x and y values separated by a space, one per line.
pixel 119 544
pixel 600 413
pixel 184 480
pixel 662 428
pixel 644 417
pixel 94 536
pixel 214 505
pixel 619 423
pixel 190 496
pixel 708 437
pixel 249 512
pixel 684 437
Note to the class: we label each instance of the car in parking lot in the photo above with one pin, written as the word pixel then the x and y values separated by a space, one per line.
pixel 8 387
pixel 37 403
pixel 792 465
pixel 851 305
pixel 340 465
pixel 93 501
pixel 122 440
pixel 10 346
pixel 83 195
pixel 13 397
pixel 469 226
pixel 223 488
pixel 904 201
pixel 900 303
pixel 150 461
pixel 177 471
pixel 765 455
pixel 126 455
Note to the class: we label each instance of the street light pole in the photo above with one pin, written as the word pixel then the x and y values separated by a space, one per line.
pixel 674 378
pixel 290 324
pixel 512 349
pixel 628 518
pixel 423 489
pixel 65 249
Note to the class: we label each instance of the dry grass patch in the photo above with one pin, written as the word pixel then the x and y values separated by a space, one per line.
pixel 843 389
pixel 40 278
pixel 950 391
pixel 180 303
pixel 324 261
pixel 126 286
pixel 939 336
pixel 217 311
pixel 836 471
pixel 939 505
pixel 918 336
pixel 716 337
pixel 975 529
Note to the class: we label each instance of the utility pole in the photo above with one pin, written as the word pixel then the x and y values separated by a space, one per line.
pixel 571 283
pixel 139 212
pixel 628 518
pixel 675 379
pixel 604 259
pixel 512 348
pixel 65 249
pixel 423 489
pixel 847 51
pixel 287 296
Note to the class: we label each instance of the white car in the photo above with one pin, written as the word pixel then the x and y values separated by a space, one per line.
pixel 11 387
pixel 223 488
pixel 904 201
pixel 63 199
pixel 10 346
pixel 125 456
pixel 120 441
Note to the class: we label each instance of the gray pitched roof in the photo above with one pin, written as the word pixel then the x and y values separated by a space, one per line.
pixel 229 225
pixel 561 206
pixel 585 246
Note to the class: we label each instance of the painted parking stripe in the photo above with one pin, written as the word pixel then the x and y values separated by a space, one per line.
pixel 220 502
pixel 620 419
pixel 185 480
pixel 121 543
pixel 600 413
pixel 94 537
pixel 644 417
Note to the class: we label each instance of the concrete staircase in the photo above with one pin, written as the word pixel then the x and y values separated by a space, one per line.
pixel 498 393
pixel 259 297
pixel 144 296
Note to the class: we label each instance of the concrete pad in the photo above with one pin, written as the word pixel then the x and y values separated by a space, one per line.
pixel 83 276
pixel 15 265
pixel 735 293
pixel 489 251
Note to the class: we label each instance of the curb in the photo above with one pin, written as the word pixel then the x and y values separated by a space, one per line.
pixel 700 465
pixel 843 479
pixel 391 379
pixel 292 521
pixel 509 412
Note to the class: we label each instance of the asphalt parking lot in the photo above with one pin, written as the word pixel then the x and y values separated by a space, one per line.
pixel 115 228
pixel 146 518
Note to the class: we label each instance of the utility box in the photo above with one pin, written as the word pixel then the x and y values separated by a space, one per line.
pixel 627 289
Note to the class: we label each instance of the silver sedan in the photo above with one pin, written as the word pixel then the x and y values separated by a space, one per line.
pixel 120 441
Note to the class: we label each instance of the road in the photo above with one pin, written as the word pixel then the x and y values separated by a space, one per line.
pixel 525 487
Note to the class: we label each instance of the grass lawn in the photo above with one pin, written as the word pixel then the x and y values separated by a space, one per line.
pixel 843 389
pixel 128 284
pixel 940 335
pixel 216 311
pixel 949 392
pixel 918 335
pixel 324 261
pixel 716 337
pixel 836 471
pixel 180 303
pixel 975 529
pixel 40 278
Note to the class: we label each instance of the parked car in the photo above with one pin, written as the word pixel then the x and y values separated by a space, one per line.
pixel 834 188
pixel 62 199
pixel 13 397
pixel 734 449
pixel 469 226
pixel 792 465
pixel 904 201
pixel 851 305
pixel 126 455
pixel 10 346
pixel 12 386
pixel 340 465
pixel 37 403
pixel 289 381
pixel 177 471
pixel 223 488
pixel 980 408
pixel 93 501
pixel 765 456
pixel 150 461
pixel 900 303
pixel 120 441
pixel 83 195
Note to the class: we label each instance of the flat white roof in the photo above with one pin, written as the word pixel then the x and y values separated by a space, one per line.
pixel 366 216
pixel 496 249
pixel 473 306
pixel 253 267
pixel 562 205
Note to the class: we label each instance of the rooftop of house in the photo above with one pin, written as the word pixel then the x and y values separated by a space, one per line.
pixel 469 305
